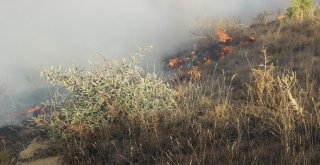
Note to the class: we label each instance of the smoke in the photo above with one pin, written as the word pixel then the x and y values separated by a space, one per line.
pixel 37 33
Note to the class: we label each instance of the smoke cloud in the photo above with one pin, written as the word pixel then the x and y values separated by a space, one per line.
pixel 37 33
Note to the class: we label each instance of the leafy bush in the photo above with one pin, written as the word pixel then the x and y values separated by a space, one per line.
pixel 108 91
pixel 300 8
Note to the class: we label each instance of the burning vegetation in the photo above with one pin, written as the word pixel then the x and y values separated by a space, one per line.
pixel 249 111
pixel 222 36
pixel 203 55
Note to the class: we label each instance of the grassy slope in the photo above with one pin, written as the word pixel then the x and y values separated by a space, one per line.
pixel 219 121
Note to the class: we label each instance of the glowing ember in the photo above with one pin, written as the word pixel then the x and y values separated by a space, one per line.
pixel 223 36
pixel 249 39
pixel 280 17
pixel 174 62
pixel 31 110
pixel 225 50
pixel 244 43
pixel 187 63
pixel 252 37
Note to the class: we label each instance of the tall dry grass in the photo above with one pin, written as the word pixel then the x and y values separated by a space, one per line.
pixel 252 108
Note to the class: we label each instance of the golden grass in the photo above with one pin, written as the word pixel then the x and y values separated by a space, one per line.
pixel 250 108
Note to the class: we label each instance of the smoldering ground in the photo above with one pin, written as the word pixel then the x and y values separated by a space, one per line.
pixel 37 33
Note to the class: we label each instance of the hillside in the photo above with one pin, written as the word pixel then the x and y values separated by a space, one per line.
pixel 246 95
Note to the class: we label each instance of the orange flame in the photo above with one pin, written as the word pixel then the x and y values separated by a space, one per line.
pixel 223 36
pixel 31 110
pixel 225 50
pixel 280 17
pixel 252 37
pixel 173 62
pixel 244 43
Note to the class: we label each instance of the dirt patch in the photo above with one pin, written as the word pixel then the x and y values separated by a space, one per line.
pixel 39 152
pixel 56 160
pixel 35 147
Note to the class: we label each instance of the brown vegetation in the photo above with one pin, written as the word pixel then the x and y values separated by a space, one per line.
pixel 259 105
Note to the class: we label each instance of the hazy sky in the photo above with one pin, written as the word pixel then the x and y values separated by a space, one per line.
pixel 37 33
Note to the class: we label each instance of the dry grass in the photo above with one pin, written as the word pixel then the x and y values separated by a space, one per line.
pixel 250 108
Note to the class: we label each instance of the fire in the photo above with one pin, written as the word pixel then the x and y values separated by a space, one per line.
pixel 225 50
pixel 31 110
pixel 252 37
pixel 188 62
pixel 280 17
pixel 173 62
pixel 249 39
pixel 223 36
pixel 244 43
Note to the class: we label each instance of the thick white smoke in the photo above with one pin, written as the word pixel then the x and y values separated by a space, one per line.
pixel 38 33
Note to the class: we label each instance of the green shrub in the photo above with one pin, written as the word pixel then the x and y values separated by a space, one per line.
pixel 300 8
pixel 103 94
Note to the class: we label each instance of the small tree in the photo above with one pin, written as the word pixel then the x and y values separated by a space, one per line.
pixel 300 8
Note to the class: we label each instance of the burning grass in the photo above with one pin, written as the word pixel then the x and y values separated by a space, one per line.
pixel 259 104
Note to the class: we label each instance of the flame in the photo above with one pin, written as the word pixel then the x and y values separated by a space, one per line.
pixel 225 50
pixel 280 17
pixel 252 37
pixel 31 110
pixel 223 36
pixel 173 62
pixel 244 43
pixel 198 55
